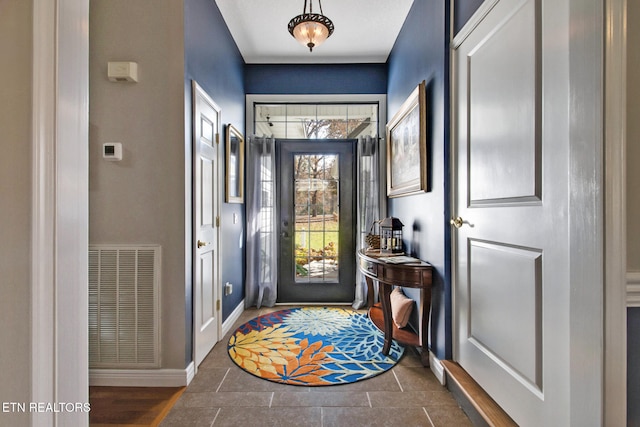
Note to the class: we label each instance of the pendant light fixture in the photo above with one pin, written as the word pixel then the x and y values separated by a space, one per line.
pixel 311 29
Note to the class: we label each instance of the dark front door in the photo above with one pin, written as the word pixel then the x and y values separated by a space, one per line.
pixel 317 232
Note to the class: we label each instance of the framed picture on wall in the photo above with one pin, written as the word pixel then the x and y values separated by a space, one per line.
pixel 234 178
pixel 407 146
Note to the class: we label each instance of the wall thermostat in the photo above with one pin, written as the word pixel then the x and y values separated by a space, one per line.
pixel 112 151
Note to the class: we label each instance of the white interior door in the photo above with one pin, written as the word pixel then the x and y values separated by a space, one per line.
pixel 206 204
pixel 511 259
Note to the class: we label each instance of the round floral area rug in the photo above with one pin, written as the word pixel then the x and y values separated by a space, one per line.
pixel 312 346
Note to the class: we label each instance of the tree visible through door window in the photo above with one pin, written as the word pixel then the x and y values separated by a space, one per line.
pixel 317 210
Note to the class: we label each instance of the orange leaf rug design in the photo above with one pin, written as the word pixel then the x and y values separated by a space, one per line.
pixel 312 346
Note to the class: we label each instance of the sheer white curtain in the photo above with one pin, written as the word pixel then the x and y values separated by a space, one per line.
pixel 262 249
pixel 368 203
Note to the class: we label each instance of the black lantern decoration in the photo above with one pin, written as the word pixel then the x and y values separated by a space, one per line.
pixel 391 236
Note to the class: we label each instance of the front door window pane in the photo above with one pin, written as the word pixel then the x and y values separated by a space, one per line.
pixel 317 211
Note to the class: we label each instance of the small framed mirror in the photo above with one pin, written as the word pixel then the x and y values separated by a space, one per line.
pixel 234 177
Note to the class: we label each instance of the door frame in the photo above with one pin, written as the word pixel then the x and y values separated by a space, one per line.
pixel 380 99
pixel 59 217
pixel 601 394
pixel 291 146
pixel 217 200
pixel 615 212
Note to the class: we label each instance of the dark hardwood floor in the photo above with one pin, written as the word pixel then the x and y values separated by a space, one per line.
pixel 131 406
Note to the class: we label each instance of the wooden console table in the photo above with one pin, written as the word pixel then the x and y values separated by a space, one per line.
pixel 411 275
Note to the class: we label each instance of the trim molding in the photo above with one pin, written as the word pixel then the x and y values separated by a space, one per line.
pixel 231 320
pixel 59 215
pixel 616 295
pixel 633 289
pixel 43 340
pixel 472 23
pixel 142 377
pixel 436 367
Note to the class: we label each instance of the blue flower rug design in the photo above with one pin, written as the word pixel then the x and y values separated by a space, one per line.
pixel 312 346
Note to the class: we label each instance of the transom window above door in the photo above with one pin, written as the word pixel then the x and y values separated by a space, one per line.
pixel 316 121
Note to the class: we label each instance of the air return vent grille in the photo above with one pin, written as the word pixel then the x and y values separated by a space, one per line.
pixel 124 306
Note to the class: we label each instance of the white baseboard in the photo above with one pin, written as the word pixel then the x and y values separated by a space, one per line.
pixel 191 372
pixel 141 377
pixel 633 288
pixel 155 377
pixel 231 320
pixel 436 368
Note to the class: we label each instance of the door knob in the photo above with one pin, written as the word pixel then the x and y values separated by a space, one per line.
pixel 201 244
pixel 457 222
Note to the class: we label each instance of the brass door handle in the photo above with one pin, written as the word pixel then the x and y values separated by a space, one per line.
pixel 201 244
pixel 457 222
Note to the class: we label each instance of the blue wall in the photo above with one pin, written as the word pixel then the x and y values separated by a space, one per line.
pixel 304 79
pixel 214 61
pixel 421 53
pixel 462 12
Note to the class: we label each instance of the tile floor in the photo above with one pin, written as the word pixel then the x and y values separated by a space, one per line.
pixel 221 394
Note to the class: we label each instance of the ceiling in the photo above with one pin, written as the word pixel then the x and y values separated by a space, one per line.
pixel 365 30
